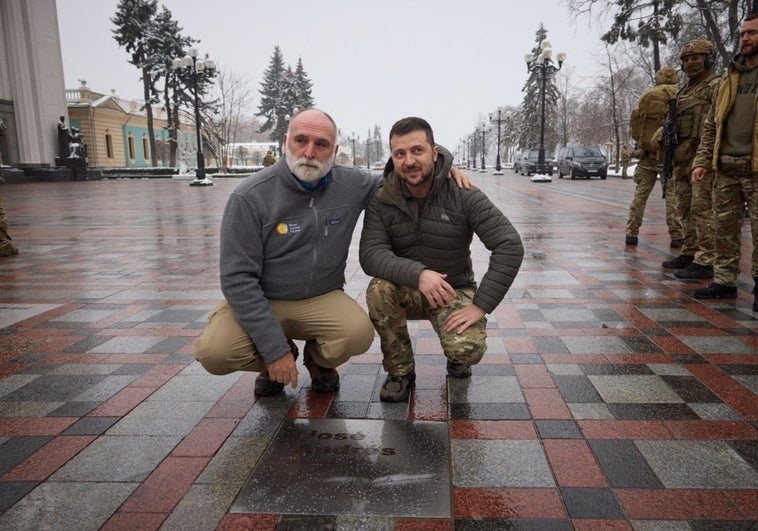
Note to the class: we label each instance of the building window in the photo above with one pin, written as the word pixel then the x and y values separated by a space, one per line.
pixel 145 148
pixel 131 148
pixel 108 145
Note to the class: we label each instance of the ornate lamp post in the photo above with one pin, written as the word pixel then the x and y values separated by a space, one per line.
pixel 483 148
pixel 498 121
pixel 196 66
pixel 544 65
pixel 353 149
pixel 368 152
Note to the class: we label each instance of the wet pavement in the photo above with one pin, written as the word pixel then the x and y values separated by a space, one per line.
pixel 609 398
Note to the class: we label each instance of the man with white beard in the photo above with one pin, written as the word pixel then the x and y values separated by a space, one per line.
pixel 285 236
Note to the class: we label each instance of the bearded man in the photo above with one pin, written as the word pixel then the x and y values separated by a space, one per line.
pixel 416 243
pixel 729 150
pixel 285 236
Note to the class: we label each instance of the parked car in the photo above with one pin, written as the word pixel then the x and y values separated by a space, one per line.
pixel 530 163
pixel 582 161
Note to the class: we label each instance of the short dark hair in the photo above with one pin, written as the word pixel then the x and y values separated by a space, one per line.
pixel 410 124
pixel 751 16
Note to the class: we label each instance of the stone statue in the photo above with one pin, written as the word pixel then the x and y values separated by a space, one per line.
pixel 64 138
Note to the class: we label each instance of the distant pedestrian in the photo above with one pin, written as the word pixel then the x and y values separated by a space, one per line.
pixel 727 146
pixel 626 157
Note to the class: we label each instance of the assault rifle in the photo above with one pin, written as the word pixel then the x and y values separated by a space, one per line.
pixel 668 143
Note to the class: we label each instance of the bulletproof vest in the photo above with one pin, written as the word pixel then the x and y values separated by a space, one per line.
pixel 692 103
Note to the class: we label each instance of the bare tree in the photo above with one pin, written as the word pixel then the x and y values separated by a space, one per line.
pixel 234 98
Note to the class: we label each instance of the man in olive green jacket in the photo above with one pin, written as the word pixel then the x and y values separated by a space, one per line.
pixel 729 146
pixel 415 242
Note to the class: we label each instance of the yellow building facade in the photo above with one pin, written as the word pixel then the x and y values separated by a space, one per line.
pixel 114 131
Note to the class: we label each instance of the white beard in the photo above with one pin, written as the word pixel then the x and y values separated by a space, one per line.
pixel 307 170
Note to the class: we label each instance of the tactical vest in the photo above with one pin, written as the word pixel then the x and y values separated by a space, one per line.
pixel 692 103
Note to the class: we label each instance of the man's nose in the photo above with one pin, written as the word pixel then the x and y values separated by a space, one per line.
pixel 310 150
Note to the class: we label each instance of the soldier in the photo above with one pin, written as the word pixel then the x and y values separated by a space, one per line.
pixel 694 200
pixel 727 146
pixel 415 243
pixel 625 158
pixel 645 120
pixel 6 245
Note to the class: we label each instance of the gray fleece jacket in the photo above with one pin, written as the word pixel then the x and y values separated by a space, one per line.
pixel 397 247
pixel 280 241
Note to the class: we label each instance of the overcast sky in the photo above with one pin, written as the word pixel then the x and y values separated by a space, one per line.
pixel 371 62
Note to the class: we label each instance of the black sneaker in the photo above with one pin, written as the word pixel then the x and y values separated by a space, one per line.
pixel 458 370
pixel 397 388
pixel 264 385
pixel 631 240
pixel 716 291
pixel 680 262
pixel 676 243
pixel 695 271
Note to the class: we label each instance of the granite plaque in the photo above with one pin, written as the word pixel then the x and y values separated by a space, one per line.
pixel 352 467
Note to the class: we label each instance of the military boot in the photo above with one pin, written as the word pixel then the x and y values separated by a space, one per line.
pixel 755 294
pixel 680 262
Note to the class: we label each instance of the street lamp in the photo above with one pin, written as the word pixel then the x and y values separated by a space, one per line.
pixel 498 121
pixel 483 149
pixel 368 150
pixel 353 149
pixel 543 64
pixel 196 66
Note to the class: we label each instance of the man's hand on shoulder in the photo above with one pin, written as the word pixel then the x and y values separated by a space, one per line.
pixel 283 370
pixel 460 178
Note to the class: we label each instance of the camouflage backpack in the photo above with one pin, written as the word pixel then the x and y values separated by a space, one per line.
pixel 646 118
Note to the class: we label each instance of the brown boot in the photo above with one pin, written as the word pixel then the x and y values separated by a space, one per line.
pixel 323 380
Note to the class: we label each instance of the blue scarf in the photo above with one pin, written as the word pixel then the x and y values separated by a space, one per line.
pixel 318 184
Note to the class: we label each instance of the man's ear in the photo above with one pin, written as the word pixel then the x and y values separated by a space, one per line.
pixel 435 153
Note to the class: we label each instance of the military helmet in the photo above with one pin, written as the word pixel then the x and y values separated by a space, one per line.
pixel 697 46
pixel 666 75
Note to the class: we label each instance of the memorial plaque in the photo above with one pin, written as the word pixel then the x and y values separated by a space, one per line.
pixel 352 467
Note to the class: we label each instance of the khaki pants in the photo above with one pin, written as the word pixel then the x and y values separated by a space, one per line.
pixel 334 325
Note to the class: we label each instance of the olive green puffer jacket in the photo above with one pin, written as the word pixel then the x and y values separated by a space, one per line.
pixel 397 247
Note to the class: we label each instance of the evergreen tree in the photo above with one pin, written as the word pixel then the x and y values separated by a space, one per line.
pixel 303 87
pixel 134 27
pixel 171 45
pixel 272 86
pixel 282 91
pixel 377 146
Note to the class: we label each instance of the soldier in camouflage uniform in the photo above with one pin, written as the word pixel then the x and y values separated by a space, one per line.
pixel 694 200
pixel 728 145
pixel 649 166
pixel 415 243
pixel 6 245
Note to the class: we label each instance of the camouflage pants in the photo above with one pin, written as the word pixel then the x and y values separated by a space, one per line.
pixel 732 192
pixel 684 209
pixel 391 306
pixel 645 175
pixel 703 220
pixel 5 239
